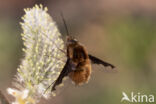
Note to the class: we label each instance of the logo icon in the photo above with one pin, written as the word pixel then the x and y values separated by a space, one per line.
pixel 125 97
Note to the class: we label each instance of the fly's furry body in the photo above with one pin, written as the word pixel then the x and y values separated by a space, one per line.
pixel 78 65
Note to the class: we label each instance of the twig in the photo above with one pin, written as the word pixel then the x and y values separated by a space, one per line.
pixel 3 99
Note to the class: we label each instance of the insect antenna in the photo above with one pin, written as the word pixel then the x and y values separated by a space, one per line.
pixel 65 25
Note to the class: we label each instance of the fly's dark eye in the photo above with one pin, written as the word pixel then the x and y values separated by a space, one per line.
pixel 73 41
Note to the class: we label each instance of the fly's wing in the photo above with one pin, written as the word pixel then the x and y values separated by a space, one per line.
pixel 63 73
pixel 96 60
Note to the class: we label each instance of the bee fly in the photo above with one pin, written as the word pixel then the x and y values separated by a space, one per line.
pixel 78 64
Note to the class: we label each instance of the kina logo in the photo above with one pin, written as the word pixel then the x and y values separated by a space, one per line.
pixel 137 97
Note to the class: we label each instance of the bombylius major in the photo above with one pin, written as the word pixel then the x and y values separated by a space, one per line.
pixel 78 64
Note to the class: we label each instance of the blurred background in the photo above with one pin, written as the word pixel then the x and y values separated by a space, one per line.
pixel 122 32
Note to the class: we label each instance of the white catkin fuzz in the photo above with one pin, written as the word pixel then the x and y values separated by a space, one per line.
pixel 43 60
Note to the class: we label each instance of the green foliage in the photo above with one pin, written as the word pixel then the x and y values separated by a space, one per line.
pixel 133 37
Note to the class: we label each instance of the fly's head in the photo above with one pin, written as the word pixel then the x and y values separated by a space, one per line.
pixel 71 41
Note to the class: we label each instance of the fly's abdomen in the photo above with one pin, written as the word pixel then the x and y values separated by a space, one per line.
pixel 81 75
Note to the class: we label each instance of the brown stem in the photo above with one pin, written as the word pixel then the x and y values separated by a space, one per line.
pixel 3 99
